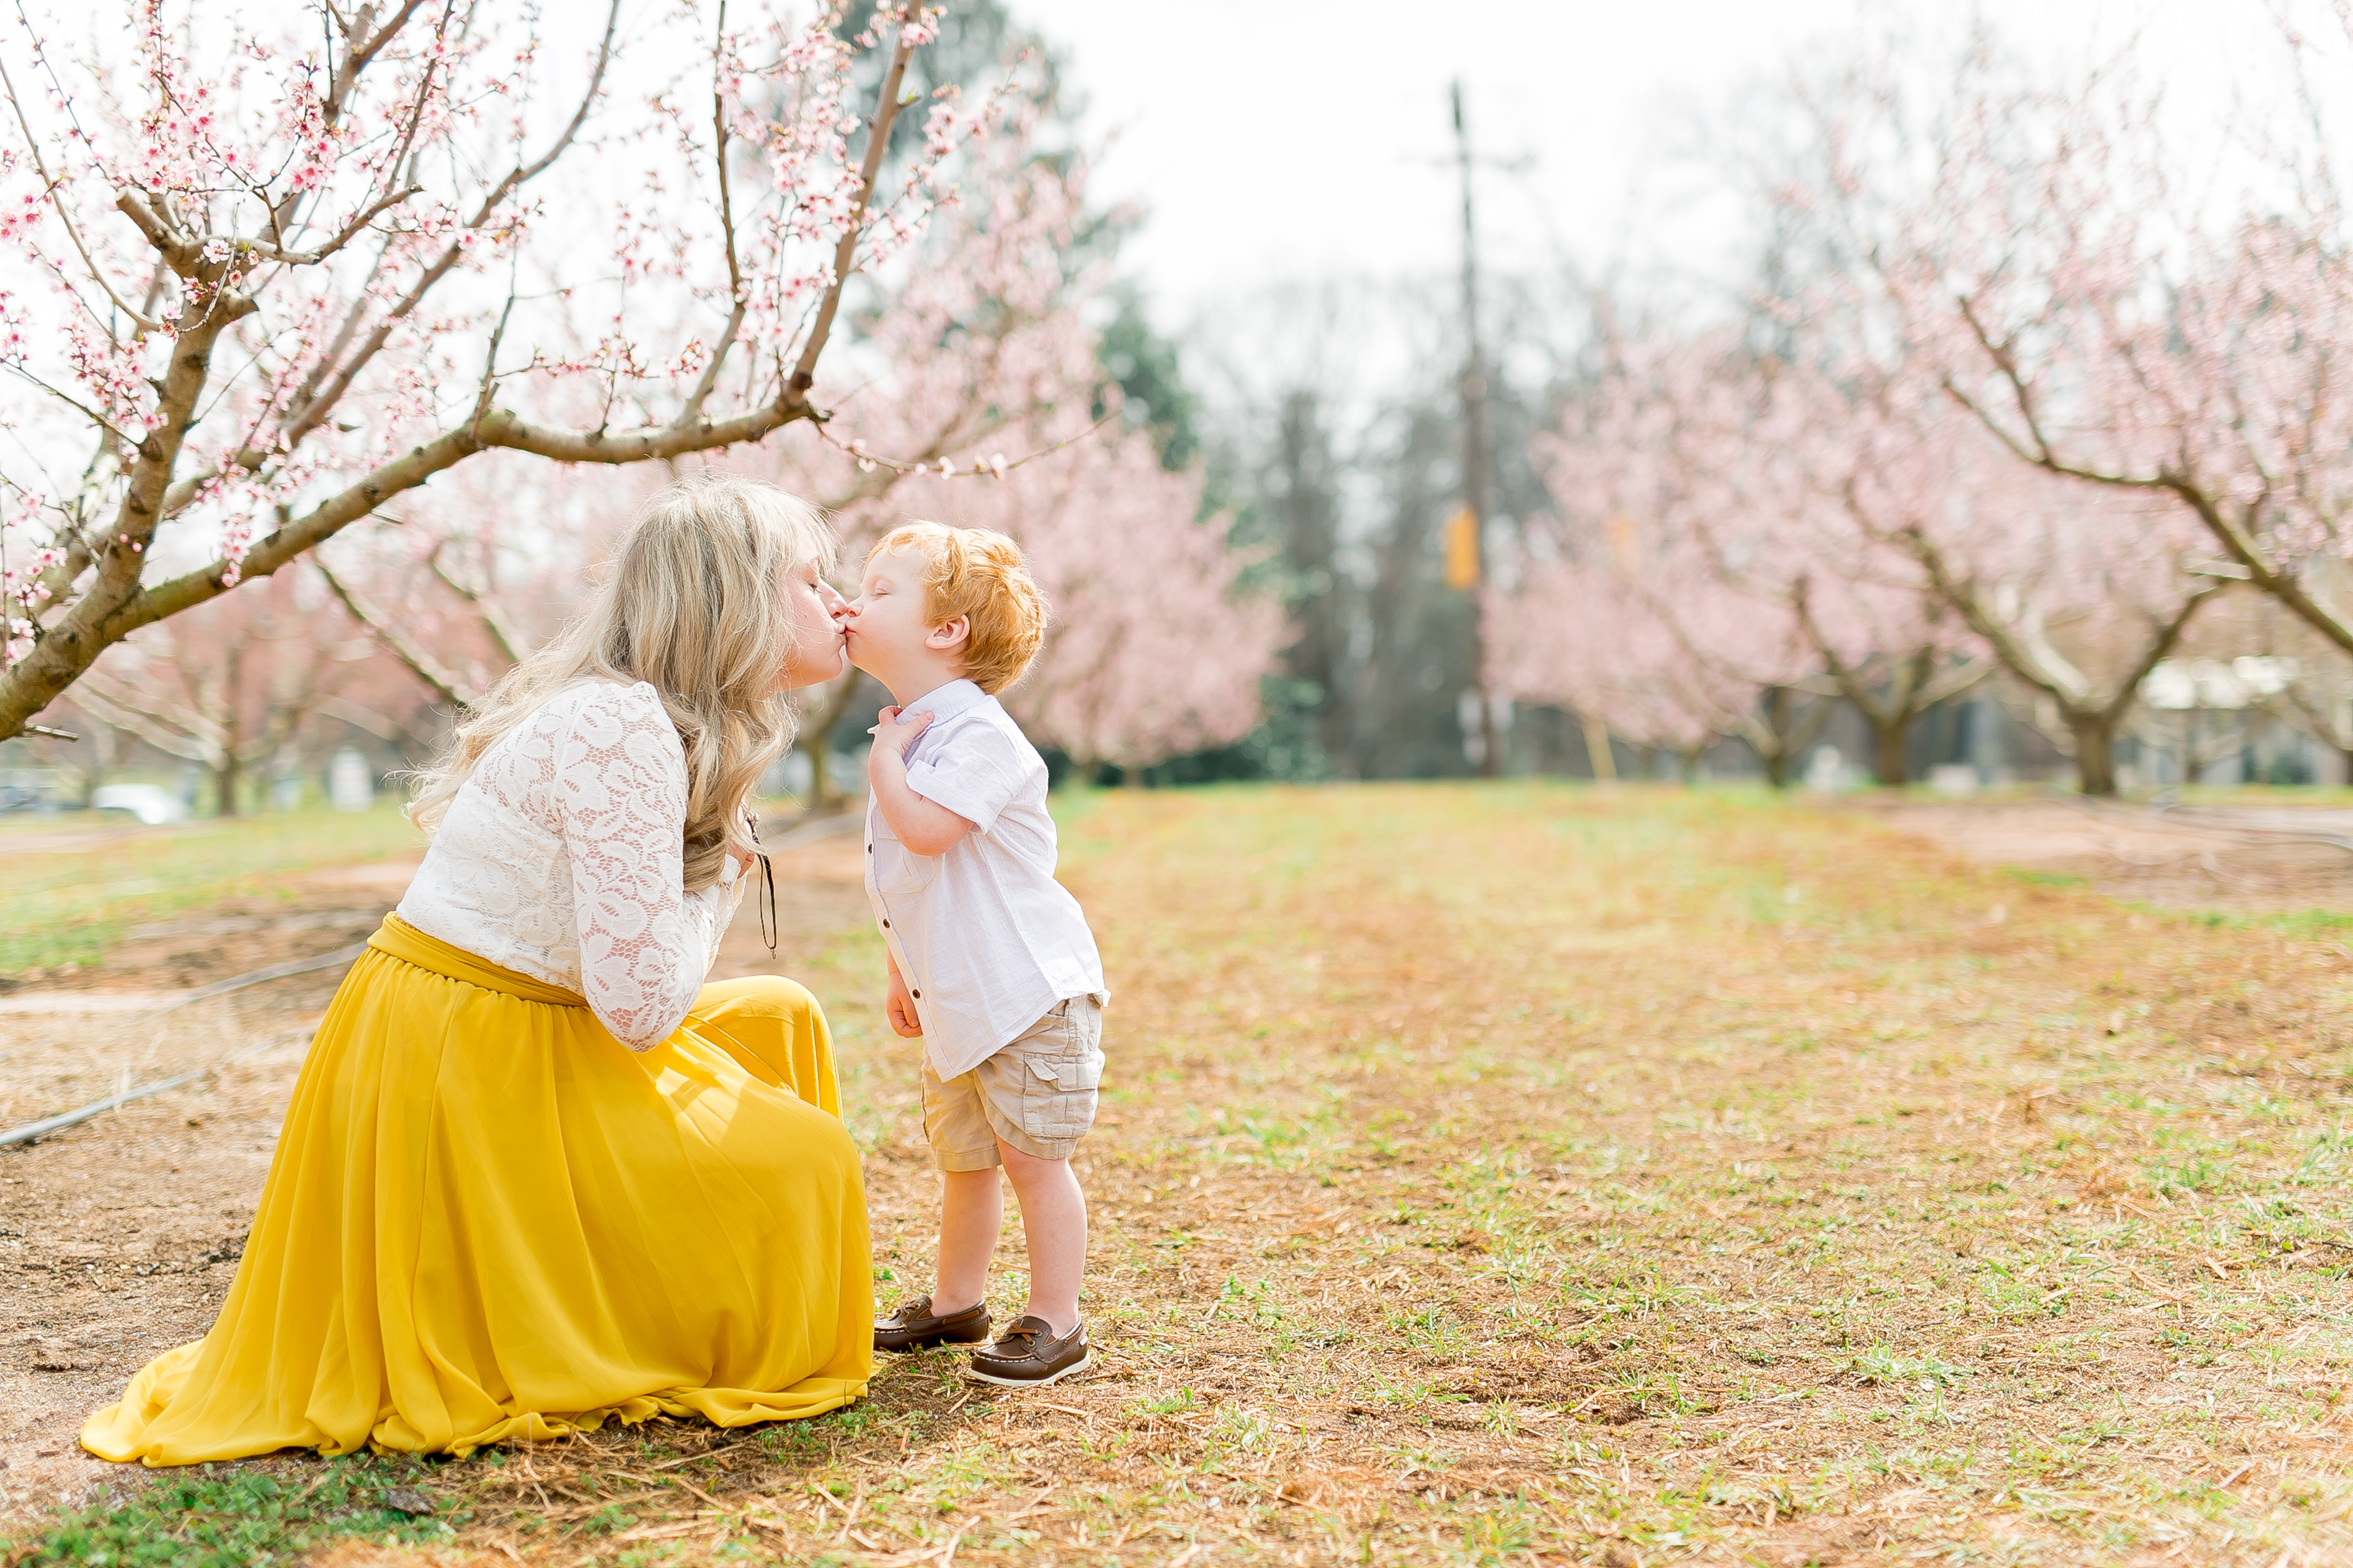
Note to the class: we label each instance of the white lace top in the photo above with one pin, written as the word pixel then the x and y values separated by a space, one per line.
pixel 563 858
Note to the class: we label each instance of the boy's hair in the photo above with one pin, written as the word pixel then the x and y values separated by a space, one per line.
pixel 980 575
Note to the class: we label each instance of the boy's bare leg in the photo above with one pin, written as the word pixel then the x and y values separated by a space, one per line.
pixel 972 1211
pixel 1054 1220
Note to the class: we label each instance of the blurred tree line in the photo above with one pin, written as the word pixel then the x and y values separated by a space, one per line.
pixel 1329 419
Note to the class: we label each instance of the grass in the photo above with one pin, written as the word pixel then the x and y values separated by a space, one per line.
pixel 75 884
pixel 196 1521
pixel 1526 1174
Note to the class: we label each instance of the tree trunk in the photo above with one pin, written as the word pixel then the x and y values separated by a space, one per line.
pixel 2096 738
pixel 1130 776
pixel 1776 758
pixel 1889 741
pixel 1605 766
pixel 232 708
pixel 816 742
pixel 1688 758
pixel 101 760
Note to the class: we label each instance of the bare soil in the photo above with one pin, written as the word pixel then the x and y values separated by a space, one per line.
pixel 1518 1175
pixel 2252 859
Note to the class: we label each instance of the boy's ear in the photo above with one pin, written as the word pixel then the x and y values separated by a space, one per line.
pixel 949 636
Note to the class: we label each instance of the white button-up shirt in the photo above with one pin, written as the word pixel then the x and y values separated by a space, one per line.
pixel 986 939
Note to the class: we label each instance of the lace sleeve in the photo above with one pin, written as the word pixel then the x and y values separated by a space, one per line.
pixel 620 795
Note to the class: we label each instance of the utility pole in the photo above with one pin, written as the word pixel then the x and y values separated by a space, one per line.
pixel 1466 532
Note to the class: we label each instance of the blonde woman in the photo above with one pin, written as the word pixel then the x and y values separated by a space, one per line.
pixel 535 1173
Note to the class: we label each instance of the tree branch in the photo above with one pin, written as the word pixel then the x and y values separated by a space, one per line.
pixel 736 292
pixel 57 205
pixel 450 686
pixel 877 140
pixel 494 621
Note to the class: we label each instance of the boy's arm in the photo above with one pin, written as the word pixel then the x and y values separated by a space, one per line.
pixel 924 826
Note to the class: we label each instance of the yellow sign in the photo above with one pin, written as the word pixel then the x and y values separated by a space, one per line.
pixel 1462 549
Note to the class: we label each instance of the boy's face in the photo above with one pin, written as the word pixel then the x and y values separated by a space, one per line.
pixel 889 635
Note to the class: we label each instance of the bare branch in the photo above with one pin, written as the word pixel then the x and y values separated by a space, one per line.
pixel 2168 632
pixel 450 686
pixel 877 140
pixel 58 206
pixel 362 716
pixel 510 643
pixel 314 412
pixel 343 237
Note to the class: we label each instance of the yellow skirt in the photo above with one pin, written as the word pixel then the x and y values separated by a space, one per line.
pixel 487 1220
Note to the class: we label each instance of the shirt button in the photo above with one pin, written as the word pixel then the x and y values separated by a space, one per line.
pixel 916 995
pixel 886 925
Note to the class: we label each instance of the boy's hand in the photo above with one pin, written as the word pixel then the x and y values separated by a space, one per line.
pixel 902 1008
pixel 922 826
pixel 892 738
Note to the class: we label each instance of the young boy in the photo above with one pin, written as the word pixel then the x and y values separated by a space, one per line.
pixel 991 961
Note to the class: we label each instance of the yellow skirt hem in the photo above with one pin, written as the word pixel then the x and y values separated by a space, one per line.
pixel 720 1406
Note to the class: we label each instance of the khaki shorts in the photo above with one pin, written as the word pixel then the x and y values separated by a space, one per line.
pixel 1036 1093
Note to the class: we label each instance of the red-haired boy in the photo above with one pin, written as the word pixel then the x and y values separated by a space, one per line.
pixel 990 958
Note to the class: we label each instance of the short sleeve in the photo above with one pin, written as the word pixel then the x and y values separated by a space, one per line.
pixel 977 772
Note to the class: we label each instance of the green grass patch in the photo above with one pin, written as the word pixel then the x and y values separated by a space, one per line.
pixel 2032 878
pixel 68 904
pixel 242 1520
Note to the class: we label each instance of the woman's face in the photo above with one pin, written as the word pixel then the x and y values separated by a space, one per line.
pixel 816 611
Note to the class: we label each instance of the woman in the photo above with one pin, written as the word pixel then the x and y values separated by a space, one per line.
pixel 535 1173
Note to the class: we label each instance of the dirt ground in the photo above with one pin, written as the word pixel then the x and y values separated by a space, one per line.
pixel 2269 857
pixel 118 1238
pixel 1487 1175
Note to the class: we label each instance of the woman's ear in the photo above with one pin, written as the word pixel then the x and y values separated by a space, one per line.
pixel 949 636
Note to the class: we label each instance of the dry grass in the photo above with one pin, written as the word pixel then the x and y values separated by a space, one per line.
pixel 1522 1174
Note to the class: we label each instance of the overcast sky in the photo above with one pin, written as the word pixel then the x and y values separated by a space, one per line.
pixel 1287 139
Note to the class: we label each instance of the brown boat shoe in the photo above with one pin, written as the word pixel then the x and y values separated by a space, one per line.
pixel 1028 1355
pixel 912 1326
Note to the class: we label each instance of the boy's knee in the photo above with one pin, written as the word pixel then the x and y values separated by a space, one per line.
pixel 1020 1162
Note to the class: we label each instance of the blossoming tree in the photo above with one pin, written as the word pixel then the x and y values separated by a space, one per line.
pixel 1700 468
pixel 982 403
pixel 2109 310
pixel 974 392
pixel 254 287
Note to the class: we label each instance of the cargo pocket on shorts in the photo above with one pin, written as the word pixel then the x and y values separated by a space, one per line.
pixel 1058 1098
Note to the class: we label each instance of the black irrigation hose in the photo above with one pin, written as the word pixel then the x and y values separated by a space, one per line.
pixel 65 1119
pixel 275 972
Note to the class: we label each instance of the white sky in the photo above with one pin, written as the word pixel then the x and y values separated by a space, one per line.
pixel 1281 139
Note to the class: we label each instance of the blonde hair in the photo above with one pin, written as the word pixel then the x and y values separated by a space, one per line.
pixel 980 575
pixel 698 607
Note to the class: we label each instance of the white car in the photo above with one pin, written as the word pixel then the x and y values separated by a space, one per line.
pixel 151 803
